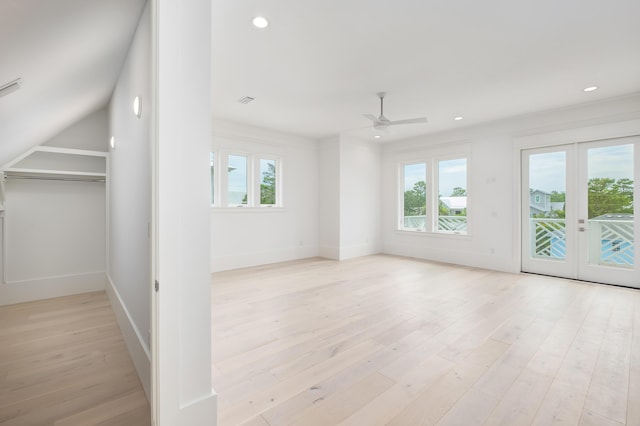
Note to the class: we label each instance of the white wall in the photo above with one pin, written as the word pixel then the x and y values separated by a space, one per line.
pixel 243 237
pixel 360 197
pixel 329 192
pixel 181 213
pixel 350 197
pixel 54 240
pixel 55 230
pixel 129 261
pixel 494 169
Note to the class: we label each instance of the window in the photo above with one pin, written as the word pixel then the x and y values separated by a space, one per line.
pixel 212 163
pixel 537 199
pixel 268 186
pixel 414 205
pixel 237 178
pixel 434 196
pixel 452 195
pixel 244 180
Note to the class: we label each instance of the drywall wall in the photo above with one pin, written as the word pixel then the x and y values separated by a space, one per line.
pixel 55 230
pixel 246 236
pixel 329 193
pixel 129 214
pixel 360 197
pixel 182 84
pixel 494 174
pixel 54 239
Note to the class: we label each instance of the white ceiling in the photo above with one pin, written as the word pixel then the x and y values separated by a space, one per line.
pixel 315 70
pixel 69 54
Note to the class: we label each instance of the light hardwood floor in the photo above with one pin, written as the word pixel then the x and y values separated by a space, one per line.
pixel 63 362
pixel 389 340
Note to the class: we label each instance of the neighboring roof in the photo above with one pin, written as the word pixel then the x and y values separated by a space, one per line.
pixel 454 203
pixel 539 191
pixel 557 205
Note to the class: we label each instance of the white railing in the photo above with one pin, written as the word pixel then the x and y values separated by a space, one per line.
pixel 547 238
pixel 610 241
pixel 445 223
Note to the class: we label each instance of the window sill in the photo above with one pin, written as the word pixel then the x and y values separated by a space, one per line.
pixel 247 209
pixel 416 233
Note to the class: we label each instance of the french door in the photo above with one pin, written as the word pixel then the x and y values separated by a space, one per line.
pixel 578 204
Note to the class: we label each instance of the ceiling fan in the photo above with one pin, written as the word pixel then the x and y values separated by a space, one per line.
pixel 382 122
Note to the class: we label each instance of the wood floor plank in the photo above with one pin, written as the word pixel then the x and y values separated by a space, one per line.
pixel 63 362
pixel 390 340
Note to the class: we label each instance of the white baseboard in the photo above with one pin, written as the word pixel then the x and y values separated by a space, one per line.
pixel 49 287
pixel 349 252
pixel 138 349
pixel 225 263
pixel 457 257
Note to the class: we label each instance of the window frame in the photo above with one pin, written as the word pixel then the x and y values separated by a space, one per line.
pixel 436 193
pixel 402 175
pixel 432 179
pixel 258 182
pixel 254 178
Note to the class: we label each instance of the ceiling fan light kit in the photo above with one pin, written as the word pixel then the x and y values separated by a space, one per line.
pixel 382 122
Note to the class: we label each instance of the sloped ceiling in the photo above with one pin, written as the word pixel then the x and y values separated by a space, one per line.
pixel 68 54
pixel 315 70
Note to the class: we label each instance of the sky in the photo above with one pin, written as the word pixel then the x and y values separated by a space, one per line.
pixel 452 173
pixel 547 170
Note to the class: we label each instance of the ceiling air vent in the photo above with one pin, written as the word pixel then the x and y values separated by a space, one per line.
pixel 10 87
pixel 245 99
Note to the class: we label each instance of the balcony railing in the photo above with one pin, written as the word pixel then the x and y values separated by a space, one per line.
pixel 445 223
pixel 610 241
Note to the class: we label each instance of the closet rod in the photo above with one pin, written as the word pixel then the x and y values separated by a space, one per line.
pixel 58 178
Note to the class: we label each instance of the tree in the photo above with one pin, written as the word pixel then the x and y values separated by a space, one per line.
pixel 608 196
pixel 415 200
pixel 268 185
pixel 557 197
pixel 459 192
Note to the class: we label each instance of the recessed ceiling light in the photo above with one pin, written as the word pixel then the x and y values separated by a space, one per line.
pixel 458 118
pixel 377 137
pixel 590 89
pixel 260 22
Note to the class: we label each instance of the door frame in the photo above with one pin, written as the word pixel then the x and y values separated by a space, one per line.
pixel 618 127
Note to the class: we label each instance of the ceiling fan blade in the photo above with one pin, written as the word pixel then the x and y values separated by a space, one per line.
pixel 410 121
pixel 371 117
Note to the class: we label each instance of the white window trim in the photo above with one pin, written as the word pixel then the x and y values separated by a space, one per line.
pixel 278 161
pixel 254 177
pixel 436 190
pixel 249 179
pixel 401 186
pixel 432 180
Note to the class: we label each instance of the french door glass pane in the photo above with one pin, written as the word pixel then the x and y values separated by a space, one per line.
pixel 547 187
pixel 610 205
